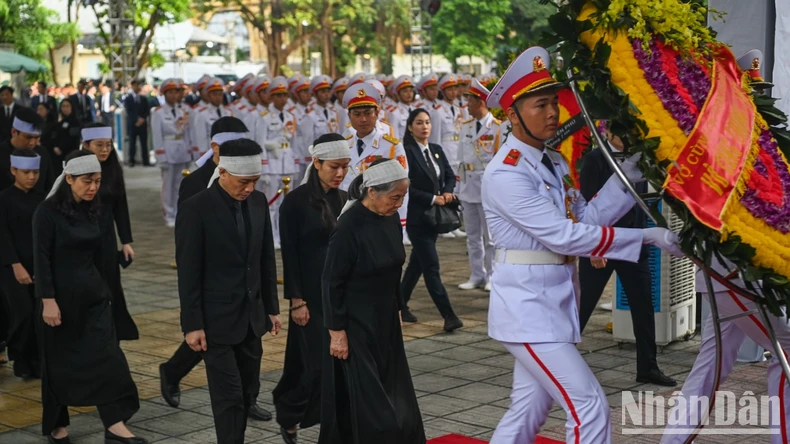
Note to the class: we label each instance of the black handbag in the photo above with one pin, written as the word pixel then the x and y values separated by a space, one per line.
pixel 443 219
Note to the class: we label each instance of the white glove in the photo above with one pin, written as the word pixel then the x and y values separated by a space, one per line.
pixel 663 239
pixel 631 169
pixel 274 148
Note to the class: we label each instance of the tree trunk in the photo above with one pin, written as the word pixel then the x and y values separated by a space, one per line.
pixel 54 67
pixel 73 61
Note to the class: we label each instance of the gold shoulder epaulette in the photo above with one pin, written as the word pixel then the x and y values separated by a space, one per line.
pixel 349 136
pixel 496 121
pixel 469 121
pixel 264 112
pixel 390 139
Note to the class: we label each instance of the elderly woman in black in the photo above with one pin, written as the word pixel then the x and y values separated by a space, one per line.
pixel 97 139
pixel 367 393
pixel 307 216
pixel 83 365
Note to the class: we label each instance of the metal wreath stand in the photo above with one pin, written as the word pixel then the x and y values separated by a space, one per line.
pixel 708 272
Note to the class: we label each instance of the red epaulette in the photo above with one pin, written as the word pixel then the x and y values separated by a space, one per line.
pixel 512 157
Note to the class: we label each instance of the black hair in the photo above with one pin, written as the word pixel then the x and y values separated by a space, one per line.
pixel 6 88
pixel 240 147
pixel 228 125
pixel 64 198
pixel 112 181
pixel 42 83
pixel 317 198
pixel 23 152
pixel 356 193
pixel 30 116
pixel 408 137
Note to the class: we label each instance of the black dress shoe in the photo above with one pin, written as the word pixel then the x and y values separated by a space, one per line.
pixel 655 376
pixel 171 392
pixel 288 437
pixel 22 369
pixel 407 316
pixel 112 438
pixel 52 440
pixel 259 413
pixel 452 323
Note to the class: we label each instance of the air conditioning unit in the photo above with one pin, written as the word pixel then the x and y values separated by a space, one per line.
pixel 674 297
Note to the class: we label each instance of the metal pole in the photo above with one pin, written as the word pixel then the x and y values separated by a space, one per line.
pixel 609 158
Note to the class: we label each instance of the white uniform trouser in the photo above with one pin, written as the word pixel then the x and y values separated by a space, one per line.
pixel 733 333
pixel 478 242
pixel 276 183
pixel 171 182
pixel 553 372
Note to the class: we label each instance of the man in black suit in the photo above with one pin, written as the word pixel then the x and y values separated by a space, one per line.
pixel 43 97
pixel 137 111
pixel 594 273
pixel 185 359
pixel 9 107
pixel 432 183
pixel 106 105
pixel 83 104
pixel 227 283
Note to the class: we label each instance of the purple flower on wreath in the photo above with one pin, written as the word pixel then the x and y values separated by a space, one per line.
pixel 652 67
pixel 694 80
pixel 775 216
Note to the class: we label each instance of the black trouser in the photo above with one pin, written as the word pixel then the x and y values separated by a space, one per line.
pixel 140 132
pixel 182 362
pixel 56 415
pixel 424 260
pixel 107 119
pixel 233 382
pixel 636 282
pixel 20 307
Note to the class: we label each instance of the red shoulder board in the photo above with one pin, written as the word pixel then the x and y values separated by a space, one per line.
pixel 512 157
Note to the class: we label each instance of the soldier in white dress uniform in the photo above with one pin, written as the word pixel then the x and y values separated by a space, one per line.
pixel 208 114
pixel 733 333
pixel 464 83
pixel 538 226
pixel 428 87
pixel 239 107
pixel 303 138
pixel 324 117
pixel 367 141
pixel 169 129
pixel 403 87
pixel 276 135
pixel 480 141
pixel 199 89
pixel 338 90
pixel 256 91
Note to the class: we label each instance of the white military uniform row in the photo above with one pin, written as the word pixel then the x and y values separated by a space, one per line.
pixel 170 137
pixel 206 115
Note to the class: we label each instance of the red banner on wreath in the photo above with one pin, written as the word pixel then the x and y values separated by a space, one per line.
pixel 707 170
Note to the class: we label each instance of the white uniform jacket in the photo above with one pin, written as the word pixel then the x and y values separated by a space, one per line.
pixel 525 208
pixel 206 116
pixel 276 137
pixel 446 120
pixel 169 128
pixel 476 149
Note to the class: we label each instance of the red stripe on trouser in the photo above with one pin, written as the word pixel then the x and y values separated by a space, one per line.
pixel 562 391
pixel 781 377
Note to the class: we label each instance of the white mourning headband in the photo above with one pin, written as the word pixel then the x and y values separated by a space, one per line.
pixel 221 138
pixel 25 127
pixel 385 172
pixel 77 166
pixel 238 166
pixel 204 158
pixel 334 150
pixel 99 132
pixel 26 163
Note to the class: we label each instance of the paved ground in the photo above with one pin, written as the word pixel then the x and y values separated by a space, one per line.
pixel 462 379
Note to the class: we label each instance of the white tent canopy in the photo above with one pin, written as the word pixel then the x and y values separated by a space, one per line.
pixel 169 38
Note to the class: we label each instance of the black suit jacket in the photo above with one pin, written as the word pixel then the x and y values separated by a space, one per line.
pixel 222 290
pixel 593 176
pixel 196 182
pixel 135 110
pixel 423 188
pixel 87 114
pixel 7 122
pixel 49 101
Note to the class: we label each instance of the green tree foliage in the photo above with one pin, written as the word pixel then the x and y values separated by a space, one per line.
pixel 468 28
pixel 33 30
pixel 148 14
pixel 526 23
